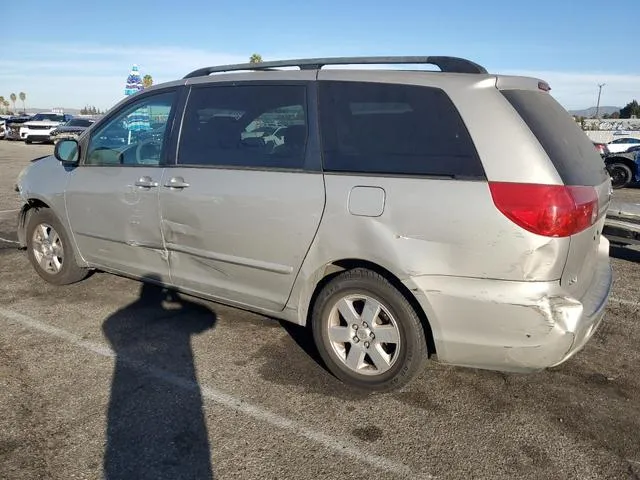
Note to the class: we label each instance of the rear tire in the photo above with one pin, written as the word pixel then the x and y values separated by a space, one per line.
pixel 367 333
pixel 621 175
pixel 27 141
pixel 50 250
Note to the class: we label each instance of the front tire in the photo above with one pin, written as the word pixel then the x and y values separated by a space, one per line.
pixel 367 332
pixel 50 250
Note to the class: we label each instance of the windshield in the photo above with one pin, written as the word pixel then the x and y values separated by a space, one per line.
pixel 52 117
pixel 79 122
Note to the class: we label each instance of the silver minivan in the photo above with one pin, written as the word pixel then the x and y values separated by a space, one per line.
pixel 404 214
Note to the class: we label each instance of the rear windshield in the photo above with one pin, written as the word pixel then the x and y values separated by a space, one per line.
pixel 573 154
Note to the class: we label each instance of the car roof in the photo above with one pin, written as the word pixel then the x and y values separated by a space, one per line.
pixel 454 71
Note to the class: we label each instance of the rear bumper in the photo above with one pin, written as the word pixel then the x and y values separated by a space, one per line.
pixel 511 326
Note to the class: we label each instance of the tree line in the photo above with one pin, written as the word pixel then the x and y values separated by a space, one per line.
pixel 4 103
pixel 90 110
pixel 632 109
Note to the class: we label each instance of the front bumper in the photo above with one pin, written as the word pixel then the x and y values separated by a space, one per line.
pixel 36 137
pixel 511 326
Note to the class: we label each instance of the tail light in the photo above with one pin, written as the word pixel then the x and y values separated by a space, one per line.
pixel 548 210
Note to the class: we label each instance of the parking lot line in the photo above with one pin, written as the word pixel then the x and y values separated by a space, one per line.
pixel 9 241
pixel 343 447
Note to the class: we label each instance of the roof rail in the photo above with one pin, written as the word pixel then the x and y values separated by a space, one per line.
pixel 446 64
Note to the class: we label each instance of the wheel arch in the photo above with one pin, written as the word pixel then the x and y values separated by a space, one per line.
pixel 629 162
pixel 330 270
pixel 33 204
pixel 23 218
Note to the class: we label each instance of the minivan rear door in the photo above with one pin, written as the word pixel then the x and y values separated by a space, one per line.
pixel 241 206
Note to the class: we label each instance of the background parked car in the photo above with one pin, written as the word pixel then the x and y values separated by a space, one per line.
pixel 624 168
pixel 620 145
pixel 13 125
pixel 634 149
pixel 39 127
pixel 602 148
pixel 73 128
pixel 3 126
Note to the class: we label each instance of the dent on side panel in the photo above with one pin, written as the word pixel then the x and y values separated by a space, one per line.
pixel 430 227
pixel 516 326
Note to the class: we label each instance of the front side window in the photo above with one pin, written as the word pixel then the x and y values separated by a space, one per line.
pixel 394 129
pixel 135 136
pixel 256 126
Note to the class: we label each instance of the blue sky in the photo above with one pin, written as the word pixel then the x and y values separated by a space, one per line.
pixel 81 54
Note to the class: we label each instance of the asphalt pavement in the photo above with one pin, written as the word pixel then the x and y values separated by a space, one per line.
pixel 108 378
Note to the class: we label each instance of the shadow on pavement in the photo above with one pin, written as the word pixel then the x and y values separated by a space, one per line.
pixel 156 427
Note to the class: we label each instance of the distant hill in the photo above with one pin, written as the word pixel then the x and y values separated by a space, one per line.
pixel 590 112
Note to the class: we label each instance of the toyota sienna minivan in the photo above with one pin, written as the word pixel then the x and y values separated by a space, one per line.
pixel 402 215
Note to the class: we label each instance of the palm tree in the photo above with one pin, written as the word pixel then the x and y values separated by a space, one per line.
pixel 255 58
pixel 147 81
pixel 1 102
pixel 13 100
pixel 6 105
pixel 23 97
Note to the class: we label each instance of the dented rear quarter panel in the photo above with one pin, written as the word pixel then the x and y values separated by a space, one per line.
pixel 430 227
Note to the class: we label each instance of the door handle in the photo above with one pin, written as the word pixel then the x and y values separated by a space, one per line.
pixel 176 182
pixel 146 182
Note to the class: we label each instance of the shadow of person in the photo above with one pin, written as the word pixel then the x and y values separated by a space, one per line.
pixel 155 422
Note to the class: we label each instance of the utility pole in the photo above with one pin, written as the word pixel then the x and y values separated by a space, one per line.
pixel 598 105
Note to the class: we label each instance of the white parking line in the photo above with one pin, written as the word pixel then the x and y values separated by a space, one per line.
pixel 342 447
pixel 9 241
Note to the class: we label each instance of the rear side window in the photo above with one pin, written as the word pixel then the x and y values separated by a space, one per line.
pixel 254 126
pixel 394 129
pixel 572 153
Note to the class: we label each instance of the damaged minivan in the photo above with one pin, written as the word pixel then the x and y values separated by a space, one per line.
pixel 400 214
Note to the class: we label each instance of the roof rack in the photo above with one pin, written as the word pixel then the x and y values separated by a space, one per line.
pixel 446 64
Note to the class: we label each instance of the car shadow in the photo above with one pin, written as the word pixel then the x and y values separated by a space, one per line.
pixel 155 421
pixel 624 253
pixel 303 337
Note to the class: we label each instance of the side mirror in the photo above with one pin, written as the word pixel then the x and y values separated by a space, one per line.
pixel 67 151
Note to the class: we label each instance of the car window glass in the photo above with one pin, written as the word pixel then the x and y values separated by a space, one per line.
pixel 564 142
pixel 135 136
pixel 259 126
pixel 78 122
pixel 394 129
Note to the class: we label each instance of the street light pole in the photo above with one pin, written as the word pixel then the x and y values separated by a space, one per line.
pixel 598 105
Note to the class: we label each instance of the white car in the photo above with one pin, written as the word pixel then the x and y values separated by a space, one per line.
pixel 620 145
pixel 39 128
